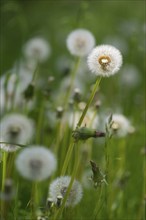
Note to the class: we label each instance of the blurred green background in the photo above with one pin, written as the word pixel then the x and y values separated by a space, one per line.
pixel 121 23
pixel 118 22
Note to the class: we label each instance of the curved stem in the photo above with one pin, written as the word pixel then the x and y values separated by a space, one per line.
pixel 4 169
pixel 71 146
pixel 89 101
pixel 70 184
pixel 96 210
pixel 73 75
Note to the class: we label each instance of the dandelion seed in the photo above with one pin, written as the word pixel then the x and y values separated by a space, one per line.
pixel 36 163
pixel 37 49
pixel 16 128
pixel 80 42
pixel 104 60
pixel 59 187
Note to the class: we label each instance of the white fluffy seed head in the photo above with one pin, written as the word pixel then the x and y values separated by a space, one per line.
pixel 9 147
pixel 37 49
pixel 120 125
pixel 36 163
pixel 16 128
pixel 59 187
pixel 104 60
pixel 80 42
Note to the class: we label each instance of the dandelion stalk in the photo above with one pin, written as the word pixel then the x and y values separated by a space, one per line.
pixel 40 122
pixel 67 159
pixel 73 75
pixel 34 199
pixel 35 74
pixel 99 196
pixel 71 146
pixel 5 154
pixel 70 184
pixel 89 101
pixel 107 171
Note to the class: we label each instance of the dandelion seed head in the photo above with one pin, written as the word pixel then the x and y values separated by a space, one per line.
pixel 9 147
pixel 120 125
pixel 16 128
pixel 36 163
pixel 59 188
pixel 104 60
pixel 130 76
pixel 80 42
pixel 37 49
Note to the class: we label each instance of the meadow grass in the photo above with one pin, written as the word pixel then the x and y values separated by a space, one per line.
pixel 114 184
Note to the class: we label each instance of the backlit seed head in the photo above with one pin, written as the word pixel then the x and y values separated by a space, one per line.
pixel 36 163
pixel 16 128
pixel 59 188
pixel 80 42
pixel 104 60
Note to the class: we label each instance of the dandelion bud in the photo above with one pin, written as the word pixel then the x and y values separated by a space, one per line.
pixel 97 104
pixel 8 186
pixel 41 218
pixel 59 112
pixel 51 79
pixel 29 92
pixel 84 133
pixel 143 151
pixel 49 203
pixel 8 192
pixel 98 177
pixel 77 95
pixel 59 201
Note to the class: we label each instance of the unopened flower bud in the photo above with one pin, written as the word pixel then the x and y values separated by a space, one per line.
pixel 59 112
pixel 77 95
pixel 84 133
pixel 97 104
pixel 51 79
pixel 8 192
pixel 29 92
pixel 8 186
pixel 49 203
pixel 59 201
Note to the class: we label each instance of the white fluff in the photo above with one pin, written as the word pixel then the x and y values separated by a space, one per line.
pixel 36 163
pixel 104 60
pixel 59 187
pixel 80 42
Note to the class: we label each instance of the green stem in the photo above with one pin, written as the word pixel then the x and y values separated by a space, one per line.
pixel 34 199
pixel 40 123
pixel 35 74
pixel 70 184
pixel 89 101
pixel 73 75
pixel 99 196
pixel 67 159
pixel 4 169
pixel 16 206
pixel 79 124
pixel 58 137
